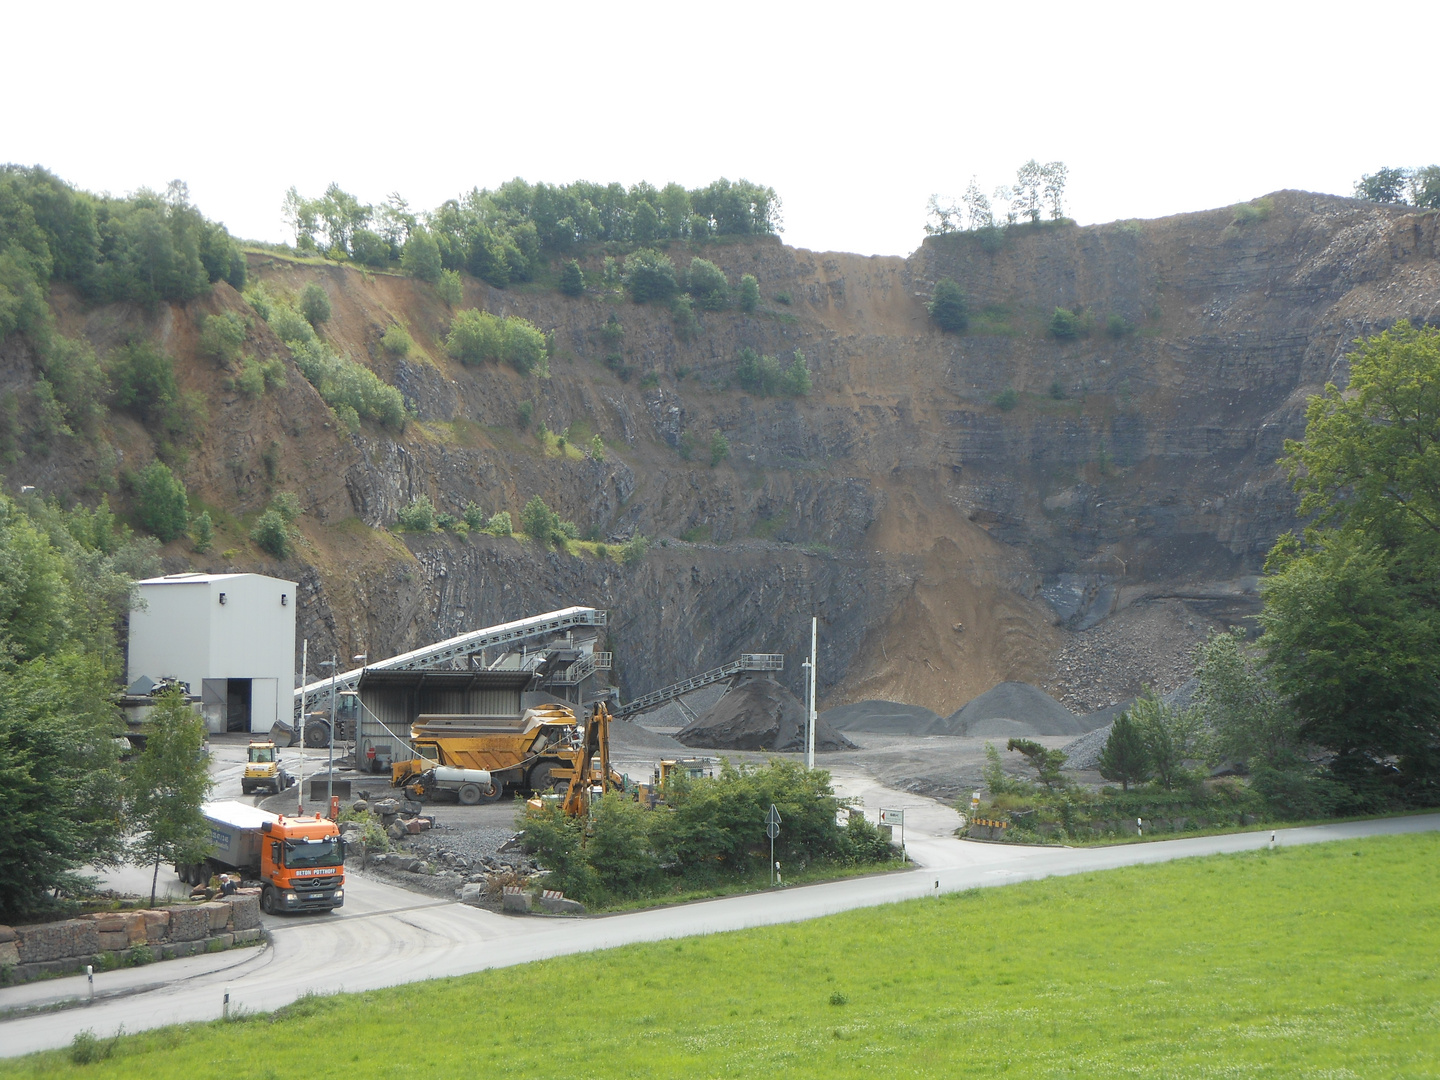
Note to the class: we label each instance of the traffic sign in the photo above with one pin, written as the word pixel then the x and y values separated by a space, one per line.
pixel 892 817
pixel 772 823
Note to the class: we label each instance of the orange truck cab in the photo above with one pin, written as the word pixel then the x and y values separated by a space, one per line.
pixel 300 861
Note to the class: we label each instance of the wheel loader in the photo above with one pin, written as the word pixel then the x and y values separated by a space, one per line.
pixel 263 770
pixel 546 751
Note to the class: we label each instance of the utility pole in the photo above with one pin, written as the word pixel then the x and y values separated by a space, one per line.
pixel 811 718
pixel 304 675
pixel 330 775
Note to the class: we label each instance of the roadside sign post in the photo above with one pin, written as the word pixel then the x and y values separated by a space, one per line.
pixel 896 817
pixel 772 828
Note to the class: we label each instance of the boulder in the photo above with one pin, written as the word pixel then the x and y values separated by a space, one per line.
pixel 360 806
pixel 471 893
pixel 219 913
pixel 396 831
pixel 51 941
pixel 385 807
pixel 555 903
pixel 135 927
pixel 9 954
pixel 415 826
pixel 113 940
pixel 110 922
pixel 189 923
pixel 7 933
pixel 157 925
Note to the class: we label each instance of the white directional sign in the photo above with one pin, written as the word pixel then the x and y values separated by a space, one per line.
pixel 772 823
pixel 892 817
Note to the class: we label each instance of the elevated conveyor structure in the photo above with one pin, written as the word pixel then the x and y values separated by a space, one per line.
pixel 747 662
pixel 443 653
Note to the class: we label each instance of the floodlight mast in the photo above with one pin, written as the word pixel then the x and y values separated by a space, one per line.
pixel 811 716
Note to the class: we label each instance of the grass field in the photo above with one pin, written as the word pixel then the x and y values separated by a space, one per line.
pixel 1310 961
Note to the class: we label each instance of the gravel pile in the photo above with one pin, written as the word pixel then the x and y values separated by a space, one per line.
pixel 1011 710
pixel 1149 644
pixel 628 737
pixel 758 714
pixel 884 717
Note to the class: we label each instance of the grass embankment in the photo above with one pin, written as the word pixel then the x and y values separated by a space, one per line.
pixel 1300 961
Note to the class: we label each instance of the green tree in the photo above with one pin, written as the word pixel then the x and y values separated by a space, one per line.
pixel 396 340
pixel 1238 705
pixel 419 516
pixel 707 283
pixel 315 304
pixel 1385 185
pixel 421 256
pixel 475 336
pixel 1171 737
pixel 221 337
pixel 202 532
pixel 167 785
pixel 1125 758
pixel 1046 763
pixel 500 524
pixel 161 504
pixel 948 307
pixel 650 275
pixel 1064 325
pixel 539 522
pixel 450 288
pixel 572 279
pixel 749 298
pixel 719 448
pixel 1425 187
pixel 634 550
pixel 369 248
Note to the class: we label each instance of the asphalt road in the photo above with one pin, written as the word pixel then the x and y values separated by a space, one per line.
pixel 385 936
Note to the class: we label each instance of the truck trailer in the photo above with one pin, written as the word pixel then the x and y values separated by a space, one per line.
pixel 299 861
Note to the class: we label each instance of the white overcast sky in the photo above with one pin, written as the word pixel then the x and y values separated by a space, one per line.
pixel 854 113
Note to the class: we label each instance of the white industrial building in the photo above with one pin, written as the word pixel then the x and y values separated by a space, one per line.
pixel 231 637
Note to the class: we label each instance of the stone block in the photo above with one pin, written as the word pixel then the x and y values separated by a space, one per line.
pixel 9 954
pixel 111 922
pixel 176 949
pixel 516 900
pixel 7 933
pixel 471 893
pixel 244 912
pixel 135 927
pixel 157 925
pixel 556 904
pixel 50 941
pixel 189 923
pixel 414 827
pixel 244 937
pixel 219 914
pixel 114 940
pixel 219 942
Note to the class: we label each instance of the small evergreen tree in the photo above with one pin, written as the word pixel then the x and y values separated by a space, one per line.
pixel 572 279
pixel 1047 763
pixel 1125 758
pixel 719 448
pixel 749 297
pixel 162 505
pixel 315 304
pixel 948 308
pixel 539 522
pixel 202 532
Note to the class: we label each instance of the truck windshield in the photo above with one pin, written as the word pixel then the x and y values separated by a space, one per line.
pixel 262 754
pixel 327 852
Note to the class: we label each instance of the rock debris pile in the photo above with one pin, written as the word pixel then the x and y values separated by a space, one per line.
pixel 758 714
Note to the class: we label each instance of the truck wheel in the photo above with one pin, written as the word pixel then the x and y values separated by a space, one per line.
pixel 469 794
pixel 246 789
pixel 492 793
pixel 317 734
pixel 267 900
pixel 540 782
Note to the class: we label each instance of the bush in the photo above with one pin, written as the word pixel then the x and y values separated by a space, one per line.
pixel 272 534
pixel 572 279
pixel 1007 399
pixel 477 336
pixel 396 341
pixel 1117 326
pixel 500 524
pixel 351 389
pixel 369 248
pixel 421 255
pixel 949 309
pixel 1064 325
pixel 749 298
pixel 315 304
pixel 523 412
pixel 419 516
pixel 76 379
pixel 707 283
pixel 539 522
pixel 202 533
pixel 682 312
pixel 650 275
pixel 762 375
pixel 221 337
pixel 597 448
pixel 449 287
pixel 782 298
pixel 474 517
pixel 1255 210
pixel 634 550
pixel 162 506
pixel 719 448
pixel 612 333
pixel 1057 390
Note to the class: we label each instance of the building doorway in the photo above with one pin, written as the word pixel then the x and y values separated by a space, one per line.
pixel 237 704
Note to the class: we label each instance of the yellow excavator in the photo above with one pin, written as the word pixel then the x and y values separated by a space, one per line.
pixel 547 751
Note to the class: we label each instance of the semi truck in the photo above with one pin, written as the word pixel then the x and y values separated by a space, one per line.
pixel 299 861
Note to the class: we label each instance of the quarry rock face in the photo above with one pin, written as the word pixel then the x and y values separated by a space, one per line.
pixel 956 508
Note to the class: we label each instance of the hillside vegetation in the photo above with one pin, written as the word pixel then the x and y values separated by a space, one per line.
pixel 1296 962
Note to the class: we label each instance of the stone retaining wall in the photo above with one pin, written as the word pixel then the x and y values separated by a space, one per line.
pixel 122 938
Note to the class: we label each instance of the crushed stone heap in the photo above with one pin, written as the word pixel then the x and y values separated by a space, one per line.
pixel 1011 710
pixel 758 714
pixel 883 717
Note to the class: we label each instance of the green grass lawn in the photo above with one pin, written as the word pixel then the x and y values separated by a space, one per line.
pixel 1310 961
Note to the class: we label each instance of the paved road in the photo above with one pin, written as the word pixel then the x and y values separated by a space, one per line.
pixel 385 935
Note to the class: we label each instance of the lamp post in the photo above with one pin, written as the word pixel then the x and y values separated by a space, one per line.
pixel 360 659
pixel 332 664
pixel 300 783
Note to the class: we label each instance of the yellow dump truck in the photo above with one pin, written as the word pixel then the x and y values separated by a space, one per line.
pixel 542 752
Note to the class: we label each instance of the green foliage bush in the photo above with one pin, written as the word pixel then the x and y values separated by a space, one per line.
pixel 1117 326
pixel 523 413
pixel 682 313
pixel 710 830
pixel 144 384
pixel 572 279
pixel 597 448
pixel 1007 399
pixel 948 307
pixel 707 283
pixel 315 304
pixel 477 336
pixel 1064 325
pixel 396 340
pixel 500 524
pixel 421 256
pixel 272 534
pixel 763 376
pixel 719 448
pixel 419 516
pixel 161 504
pixel 202 532
pixel 650 275
pixel 1253 211
pixel 370 248
pixel 449 287
pixel 541 524
pixel 221 337
pixel 634 550
pixel 749 296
